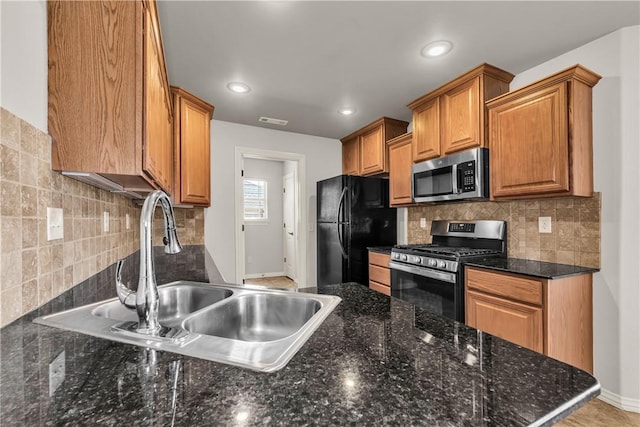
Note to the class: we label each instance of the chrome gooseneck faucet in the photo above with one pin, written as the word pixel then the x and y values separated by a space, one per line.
pixel 146 300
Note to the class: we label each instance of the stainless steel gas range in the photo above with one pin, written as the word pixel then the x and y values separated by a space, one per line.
pixel 431 276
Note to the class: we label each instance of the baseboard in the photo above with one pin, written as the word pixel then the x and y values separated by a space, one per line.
pixel 262 275
pixel 620 402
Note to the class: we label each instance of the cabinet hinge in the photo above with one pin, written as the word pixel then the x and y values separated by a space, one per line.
pixel 242 172
pixel 285 259
pixel 242 227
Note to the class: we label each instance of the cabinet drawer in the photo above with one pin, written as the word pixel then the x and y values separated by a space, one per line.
pixel 514 287
pixel 380 274
pixel 512 321
pixel 383 289
pixel 377 258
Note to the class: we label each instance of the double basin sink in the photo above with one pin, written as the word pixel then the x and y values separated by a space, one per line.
pixel 259 329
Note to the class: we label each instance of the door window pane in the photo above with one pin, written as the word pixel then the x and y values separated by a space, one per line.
pixel 255 199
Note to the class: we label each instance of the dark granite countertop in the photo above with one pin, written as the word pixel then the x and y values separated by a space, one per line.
pixel 381 249
pixel 545 270
pixel 375 360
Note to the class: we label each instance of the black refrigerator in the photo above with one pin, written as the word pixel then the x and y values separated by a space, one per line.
pixel 353 214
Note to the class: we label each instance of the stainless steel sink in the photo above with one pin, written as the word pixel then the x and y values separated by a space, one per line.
pixel 176 302
pixel 259 329
pixel 255 317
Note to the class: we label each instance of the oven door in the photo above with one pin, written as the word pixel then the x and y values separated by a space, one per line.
pixel 436 291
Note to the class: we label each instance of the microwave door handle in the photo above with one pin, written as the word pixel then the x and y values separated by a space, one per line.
pixel 456 182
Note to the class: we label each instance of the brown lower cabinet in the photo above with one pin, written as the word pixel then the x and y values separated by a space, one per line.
pixel 379 273
pixel 553 317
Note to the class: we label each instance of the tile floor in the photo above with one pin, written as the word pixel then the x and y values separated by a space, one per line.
pixel 281 282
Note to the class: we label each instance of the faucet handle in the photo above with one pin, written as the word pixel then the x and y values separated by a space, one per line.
pixel 125 295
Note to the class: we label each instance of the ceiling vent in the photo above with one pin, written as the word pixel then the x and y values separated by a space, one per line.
pixel 273 121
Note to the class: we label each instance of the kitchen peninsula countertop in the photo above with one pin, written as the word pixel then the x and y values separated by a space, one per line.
pixel 375 360
pixel 545 270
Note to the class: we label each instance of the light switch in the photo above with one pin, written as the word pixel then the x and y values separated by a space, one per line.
pixel 423 223
pixel 55 224
pixel 127 221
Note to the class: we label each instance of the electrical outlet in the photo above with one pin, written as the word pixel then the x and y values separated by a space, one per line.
pixel 127 221
pixel 423 222
pixel 544 224
pixel 56 373
pixel 105 222
pixel 55 224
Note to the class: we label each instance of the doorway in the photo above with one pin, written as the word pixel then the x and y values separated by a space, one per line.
pixel 254 219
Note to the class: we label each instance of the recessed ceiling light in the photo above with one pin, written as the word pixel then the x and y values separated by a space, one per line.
pixel 437 48
pixel 347 111
pixel 238 87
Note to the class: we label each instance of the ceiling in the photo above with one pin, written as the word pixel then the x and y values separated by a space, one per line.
pixel 305 60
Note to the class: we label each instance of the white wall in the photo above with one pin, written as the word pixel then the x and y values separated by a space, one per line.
pixel 263 240
pixel 323 160
pixel 23 40
pixel 616 290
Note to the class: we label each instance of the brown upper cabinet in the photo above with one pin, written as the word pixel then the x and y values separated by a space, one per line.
pixel 400 161
pixel 191 139
pixel 351 155
pixel 110 113
pixel 364 152
pixel 541 138
pixel 453 117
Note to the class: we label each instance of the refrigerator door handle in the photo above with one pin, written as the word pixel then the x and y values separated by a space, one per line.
pixel 341 202
pixel 344 253
pixel 339 224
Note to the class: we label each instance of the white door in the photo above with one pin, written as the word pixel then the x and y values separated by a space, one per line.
pixel 290 232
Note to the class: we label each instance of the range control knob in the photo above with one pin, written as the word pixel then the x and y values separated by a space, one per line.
pixel 395 255
pixel 416 259
pixel 432 262
pixel 403 257
pixel 442 264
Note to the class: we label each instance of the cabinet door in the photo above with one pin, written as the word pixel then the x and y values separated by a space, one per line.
pixel 400 161
pixel 372 150
pixel 461 109
pixel 194 158
pixel 512 321
pixel 426 131
pixel 351 156
pixel 157 151
pixel 528 143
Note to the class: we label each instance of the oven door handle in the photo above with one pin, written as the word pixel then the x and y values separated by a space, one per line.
pixel 425 272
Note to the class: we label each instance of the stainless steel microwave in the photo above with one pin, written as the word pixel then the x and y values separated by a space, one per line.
pixel 463 175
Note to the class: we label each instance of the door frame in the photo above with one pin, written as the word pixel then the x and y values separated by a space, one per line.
pixel 295 225
pixel 300 207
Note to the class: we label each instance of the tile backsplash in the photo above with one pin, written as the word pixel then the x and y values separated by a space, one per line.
pixel 34 270
pixel 575 226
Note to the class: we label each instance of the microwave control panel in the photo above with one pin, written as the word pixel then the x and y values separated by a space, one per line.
pixel 467 176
